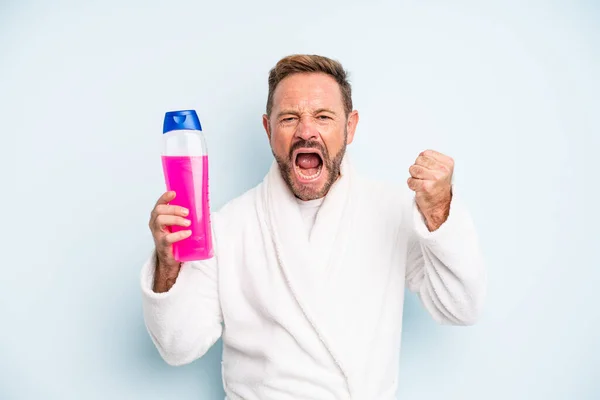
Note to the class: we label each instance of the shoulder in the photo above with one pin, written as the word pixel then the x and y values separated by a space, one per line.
pixel 238 208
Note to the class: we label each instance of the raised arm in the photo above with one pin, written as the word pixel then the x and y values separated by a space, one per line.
pixel 445 266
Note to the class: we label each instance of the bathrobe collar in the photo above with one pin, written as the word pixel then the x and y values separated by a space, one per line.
pixel 306 262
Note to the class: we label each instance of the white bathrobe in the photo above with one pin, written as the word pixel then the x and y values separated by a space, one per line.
pixel 319 317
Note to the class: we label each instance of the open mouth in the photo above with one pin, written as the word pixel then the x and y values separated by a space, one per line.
pixel 308 164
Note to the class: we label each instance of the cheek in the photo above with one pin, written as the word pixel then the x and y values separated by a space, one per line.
pixel 281 141
pixel 334 144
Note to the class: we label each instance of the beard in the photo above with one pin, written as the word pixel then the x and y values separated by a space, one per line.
pixel 330 165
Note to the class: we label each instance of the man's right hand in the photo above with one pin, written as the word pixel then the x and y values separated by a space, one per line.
pixel 162 217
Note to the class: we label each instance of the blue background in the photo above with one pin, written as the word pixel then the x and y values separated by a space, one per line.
pixel 509 89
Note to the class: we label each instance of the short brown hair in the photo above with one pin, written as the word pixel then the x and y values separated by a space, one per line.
pixel 299 63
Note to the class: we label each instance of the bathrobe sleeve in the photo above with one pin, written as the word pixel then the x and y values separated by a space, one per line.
pixel 445 267
pixel 185 321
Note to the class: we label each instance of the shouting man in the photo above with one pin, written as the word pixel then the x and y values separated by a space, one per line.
pixel 307 285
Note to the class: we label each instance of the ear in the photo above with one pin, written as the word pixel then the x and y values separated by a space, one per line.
pixel 351 126
pixel 266 126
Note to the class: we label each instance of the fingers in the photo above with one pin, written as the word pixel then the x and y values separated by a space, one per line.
pixel 439 157
pixel 163 221
pixel 165 198
pixel 420 172
pixel 420 185
pixel 426 161
pixel 164 209
pixel 432 164
pixel 176 237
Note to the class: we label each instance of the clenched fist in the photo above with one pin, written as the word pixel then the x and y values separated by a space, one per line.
pixel 431 180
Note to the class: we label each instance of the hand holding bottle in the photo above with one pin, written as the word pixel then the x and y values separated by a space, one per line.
pixel 164 216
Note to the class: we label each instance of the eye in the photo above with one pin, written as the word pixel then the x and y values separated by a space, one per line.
pixel 323 117
pixel 288 119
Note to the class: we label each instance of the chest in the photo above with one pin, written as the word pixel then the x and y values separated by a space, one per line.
pixel 358 274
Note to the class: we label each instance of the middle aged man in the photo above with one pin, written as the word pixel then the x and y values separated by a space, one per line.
pixel 307 285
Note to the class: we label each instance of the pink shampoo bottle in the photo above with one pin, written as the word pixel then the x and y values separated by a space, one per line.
pixel 185 167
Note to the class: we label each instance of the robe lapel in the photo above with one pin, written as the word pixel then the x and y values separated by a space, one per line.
pixel 286 226
pixel 307 263
pixel 330 232
pixel 308 260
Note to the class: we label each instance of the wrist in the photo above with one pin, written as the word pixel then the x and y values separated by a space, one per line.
pixel 435 216
pixel 165 275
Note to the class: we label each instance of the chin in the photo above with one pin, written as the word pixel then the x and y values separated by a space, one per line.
pixel 309 187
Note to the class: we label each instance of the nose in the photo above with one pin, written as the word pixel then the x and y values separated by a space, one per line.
pixel 306 129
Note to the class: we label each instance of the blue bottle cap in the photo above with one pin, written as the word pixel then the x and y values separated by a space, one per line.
pixel 183 119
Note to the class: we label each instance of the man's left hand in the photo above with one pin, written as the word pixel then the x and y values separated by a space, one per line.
pixel 431 180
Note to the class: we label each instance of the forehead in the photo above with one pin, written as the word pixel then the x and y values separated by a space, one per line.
pixel 308 91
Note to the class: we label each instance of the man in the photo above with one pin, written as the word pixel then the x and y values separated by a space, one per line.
pixel 307 284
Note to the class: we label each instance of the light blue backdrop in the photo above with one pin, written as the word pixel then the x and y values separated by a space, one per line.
pixel 509 89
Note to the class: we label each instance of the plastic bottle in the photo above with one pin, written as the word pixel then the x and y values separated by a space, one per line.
pixel 185 168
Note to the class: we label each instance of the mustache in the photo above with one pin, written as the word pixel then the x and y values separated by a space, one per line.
pixel 308 144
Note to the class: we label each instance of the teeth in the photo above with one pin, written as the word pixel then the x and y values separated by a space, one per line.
pixel 309 177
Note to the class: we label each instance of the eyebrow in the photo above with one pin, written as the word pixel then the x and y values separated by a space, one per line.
pixel 320 110
pixel 295 112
